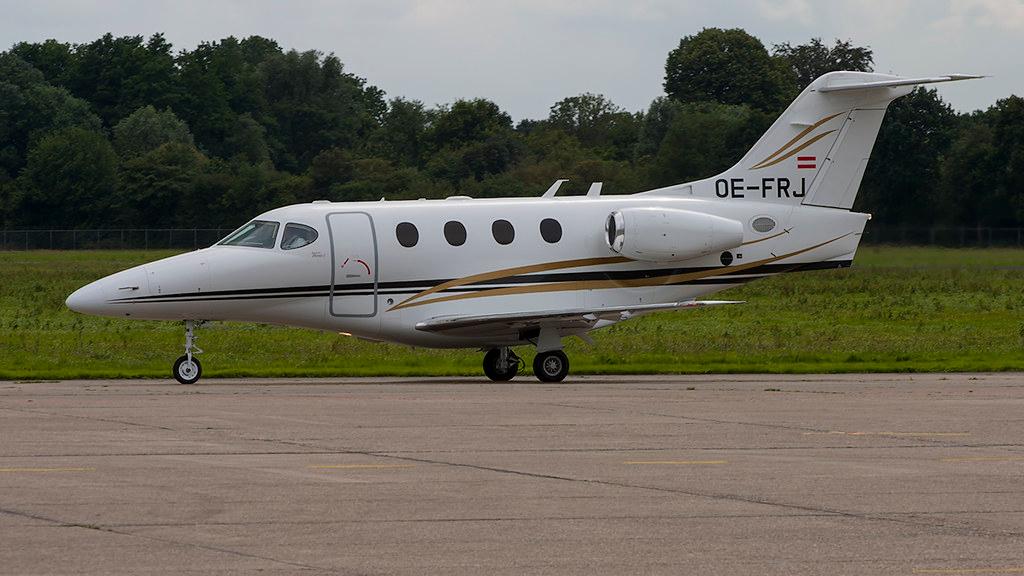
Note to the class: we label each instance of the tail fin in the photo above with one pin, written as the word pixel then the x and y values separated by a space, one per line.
pixel 816 152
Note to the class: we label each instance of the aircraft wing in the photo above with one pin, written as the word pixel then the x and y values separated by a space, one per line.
pixel 574 320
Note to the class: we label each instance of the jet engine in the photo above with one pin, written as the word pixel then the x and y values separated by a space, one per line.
pixel 669 235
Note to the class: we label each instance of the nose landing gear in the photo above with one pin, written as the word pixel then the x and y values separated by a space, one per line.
pixel 187 368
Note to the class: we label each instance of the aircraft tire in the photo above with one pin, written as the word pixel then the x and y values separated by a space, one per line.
pixel 492 370
pixel 185 373
pixel 551 366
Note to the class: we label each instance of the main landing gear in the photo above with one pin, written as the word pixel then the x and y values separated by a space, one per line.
pixel 551 366
pixel 187 369
pixel 502 365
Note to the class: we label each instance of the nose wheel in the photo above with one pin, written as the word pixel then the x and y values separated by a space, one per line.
pixel 187 368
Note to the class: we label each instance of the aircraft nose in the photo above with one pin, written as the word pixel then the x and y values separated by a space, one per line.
pixel 88 299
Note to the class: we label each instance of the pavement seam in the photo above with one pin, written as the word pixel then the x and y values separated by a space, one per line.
pixel 109 529
pixel 1015 448
pixel 709 495
pixel 92 418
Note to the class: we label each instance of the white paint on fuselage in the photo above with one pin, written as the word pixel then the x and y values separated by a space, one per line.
pixel 246 270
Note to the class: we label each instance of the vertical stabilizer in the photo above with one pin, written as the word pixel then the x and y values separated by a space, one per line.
pixel 817 151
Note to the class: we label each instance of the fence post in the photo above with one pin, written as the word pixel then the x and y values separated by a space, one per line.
pixel 145 234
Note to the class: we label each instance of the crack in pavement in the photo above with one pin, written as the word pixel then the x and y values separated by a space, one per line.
pixel 111 530
pixel 961 530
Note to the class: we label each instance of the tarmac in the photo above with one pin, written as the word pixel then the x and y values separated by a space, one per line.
pixel 739 474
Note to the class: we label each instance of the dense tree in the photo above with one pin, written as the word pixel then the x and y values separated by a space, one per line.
pixel 30 108
pixel 401 137
pixel 810 60
pixel 119 75
pixel 212 135
pixel 470 140
pixel 154 181
pixel 701 140
pixel 597 123
pixel 70 179
pixel 247 139
pixel 147 129
pixel 983 173
pixel 728 67
pixel 903 174
pixel 966 193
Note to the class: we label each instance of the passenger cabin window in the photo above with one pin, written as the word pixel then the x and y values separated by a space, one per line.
pixel 255 234
pixel 550 230
pixel 297 236
pixel 407 234
pixel 503 232
pixel 455 233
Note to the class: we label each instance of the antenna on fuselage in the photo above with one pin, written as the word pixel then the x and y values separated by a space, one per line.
pixel 595 189
pixel 554 188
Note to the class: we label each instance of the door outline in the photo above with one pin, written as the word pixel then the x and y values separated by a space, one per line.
pixel 334 268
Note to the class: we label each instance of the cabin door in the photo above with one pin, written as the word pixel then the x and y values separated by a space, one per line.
pixel 354 264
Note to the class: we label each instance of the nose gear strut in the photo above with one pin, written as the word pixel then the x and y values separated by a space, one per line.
pixel 187 368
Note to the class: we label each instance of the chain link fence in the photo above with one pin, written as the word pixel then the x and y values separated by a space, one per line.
pixel 949 237
pixel 194 238
pixel 117 239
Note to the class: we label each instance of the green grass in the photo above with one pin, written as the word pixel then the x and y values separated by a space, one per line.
pixel 897 309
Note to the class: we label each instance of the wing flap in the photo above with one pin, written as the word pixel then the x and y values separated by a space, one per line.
pixel 581 318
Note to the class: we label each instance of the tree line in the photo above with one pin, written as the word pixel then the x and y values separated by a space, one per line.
pixel 128 132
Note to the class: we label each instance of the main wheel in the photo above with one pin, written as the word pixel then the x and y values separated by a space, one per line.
pixel 551 366
pixel 495 371
pixel 187 371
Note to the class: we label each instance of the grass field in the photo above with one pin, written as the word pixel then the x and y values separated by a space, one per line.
pixel 897 309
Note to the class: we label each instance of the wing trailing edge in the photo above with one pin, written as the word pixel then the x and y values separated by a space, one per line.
pixel 576 317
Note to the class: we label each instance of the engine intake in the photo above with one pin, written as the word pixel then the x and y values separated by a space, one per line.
pixel 669 235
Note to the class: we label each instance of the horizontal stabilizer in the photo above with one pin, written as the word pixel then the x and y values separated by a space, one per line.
pixel 843 85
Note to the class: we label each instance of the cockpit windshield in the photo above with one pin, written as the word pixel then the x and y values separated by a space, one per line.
pixel 255 234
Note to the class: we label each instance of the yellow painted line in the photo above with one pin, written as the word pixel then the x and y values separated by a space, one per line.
pixel 359 466
pixel 47 469
pixel 1010 570
pixel 985 459
pixel 842 433
pixel 676 462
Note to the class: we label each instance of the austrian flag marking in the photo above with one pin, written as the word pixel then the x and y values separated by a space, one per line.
pixel 806 162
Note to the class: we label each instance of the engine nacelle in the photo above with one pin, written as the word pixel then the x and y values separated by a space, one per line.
pixel 669 235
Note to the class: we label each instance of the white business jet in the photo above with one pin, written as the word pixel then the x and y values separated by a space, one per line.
pixel 497 273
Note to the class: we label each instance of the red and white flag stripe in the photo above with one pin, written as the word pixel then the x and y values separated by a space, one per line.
pixel 806 162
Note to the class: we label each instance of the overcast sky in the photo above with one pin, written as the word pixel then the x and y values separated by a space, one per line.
pixel 526 55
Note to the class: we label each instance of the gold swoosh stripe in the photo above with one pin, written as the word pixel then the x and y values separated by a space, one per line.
pixel 604 284
pixel 803 133
pixel 748 243
pixel 795 151
pixel 505 272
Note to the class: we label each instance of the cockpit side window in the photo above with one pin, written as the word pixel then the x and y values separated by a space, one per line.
pixel 255 234
pixel 297 236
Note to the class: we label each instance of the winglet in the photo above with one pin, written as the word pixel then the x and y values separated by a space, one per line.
pixel 595 189
pixel 554 188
